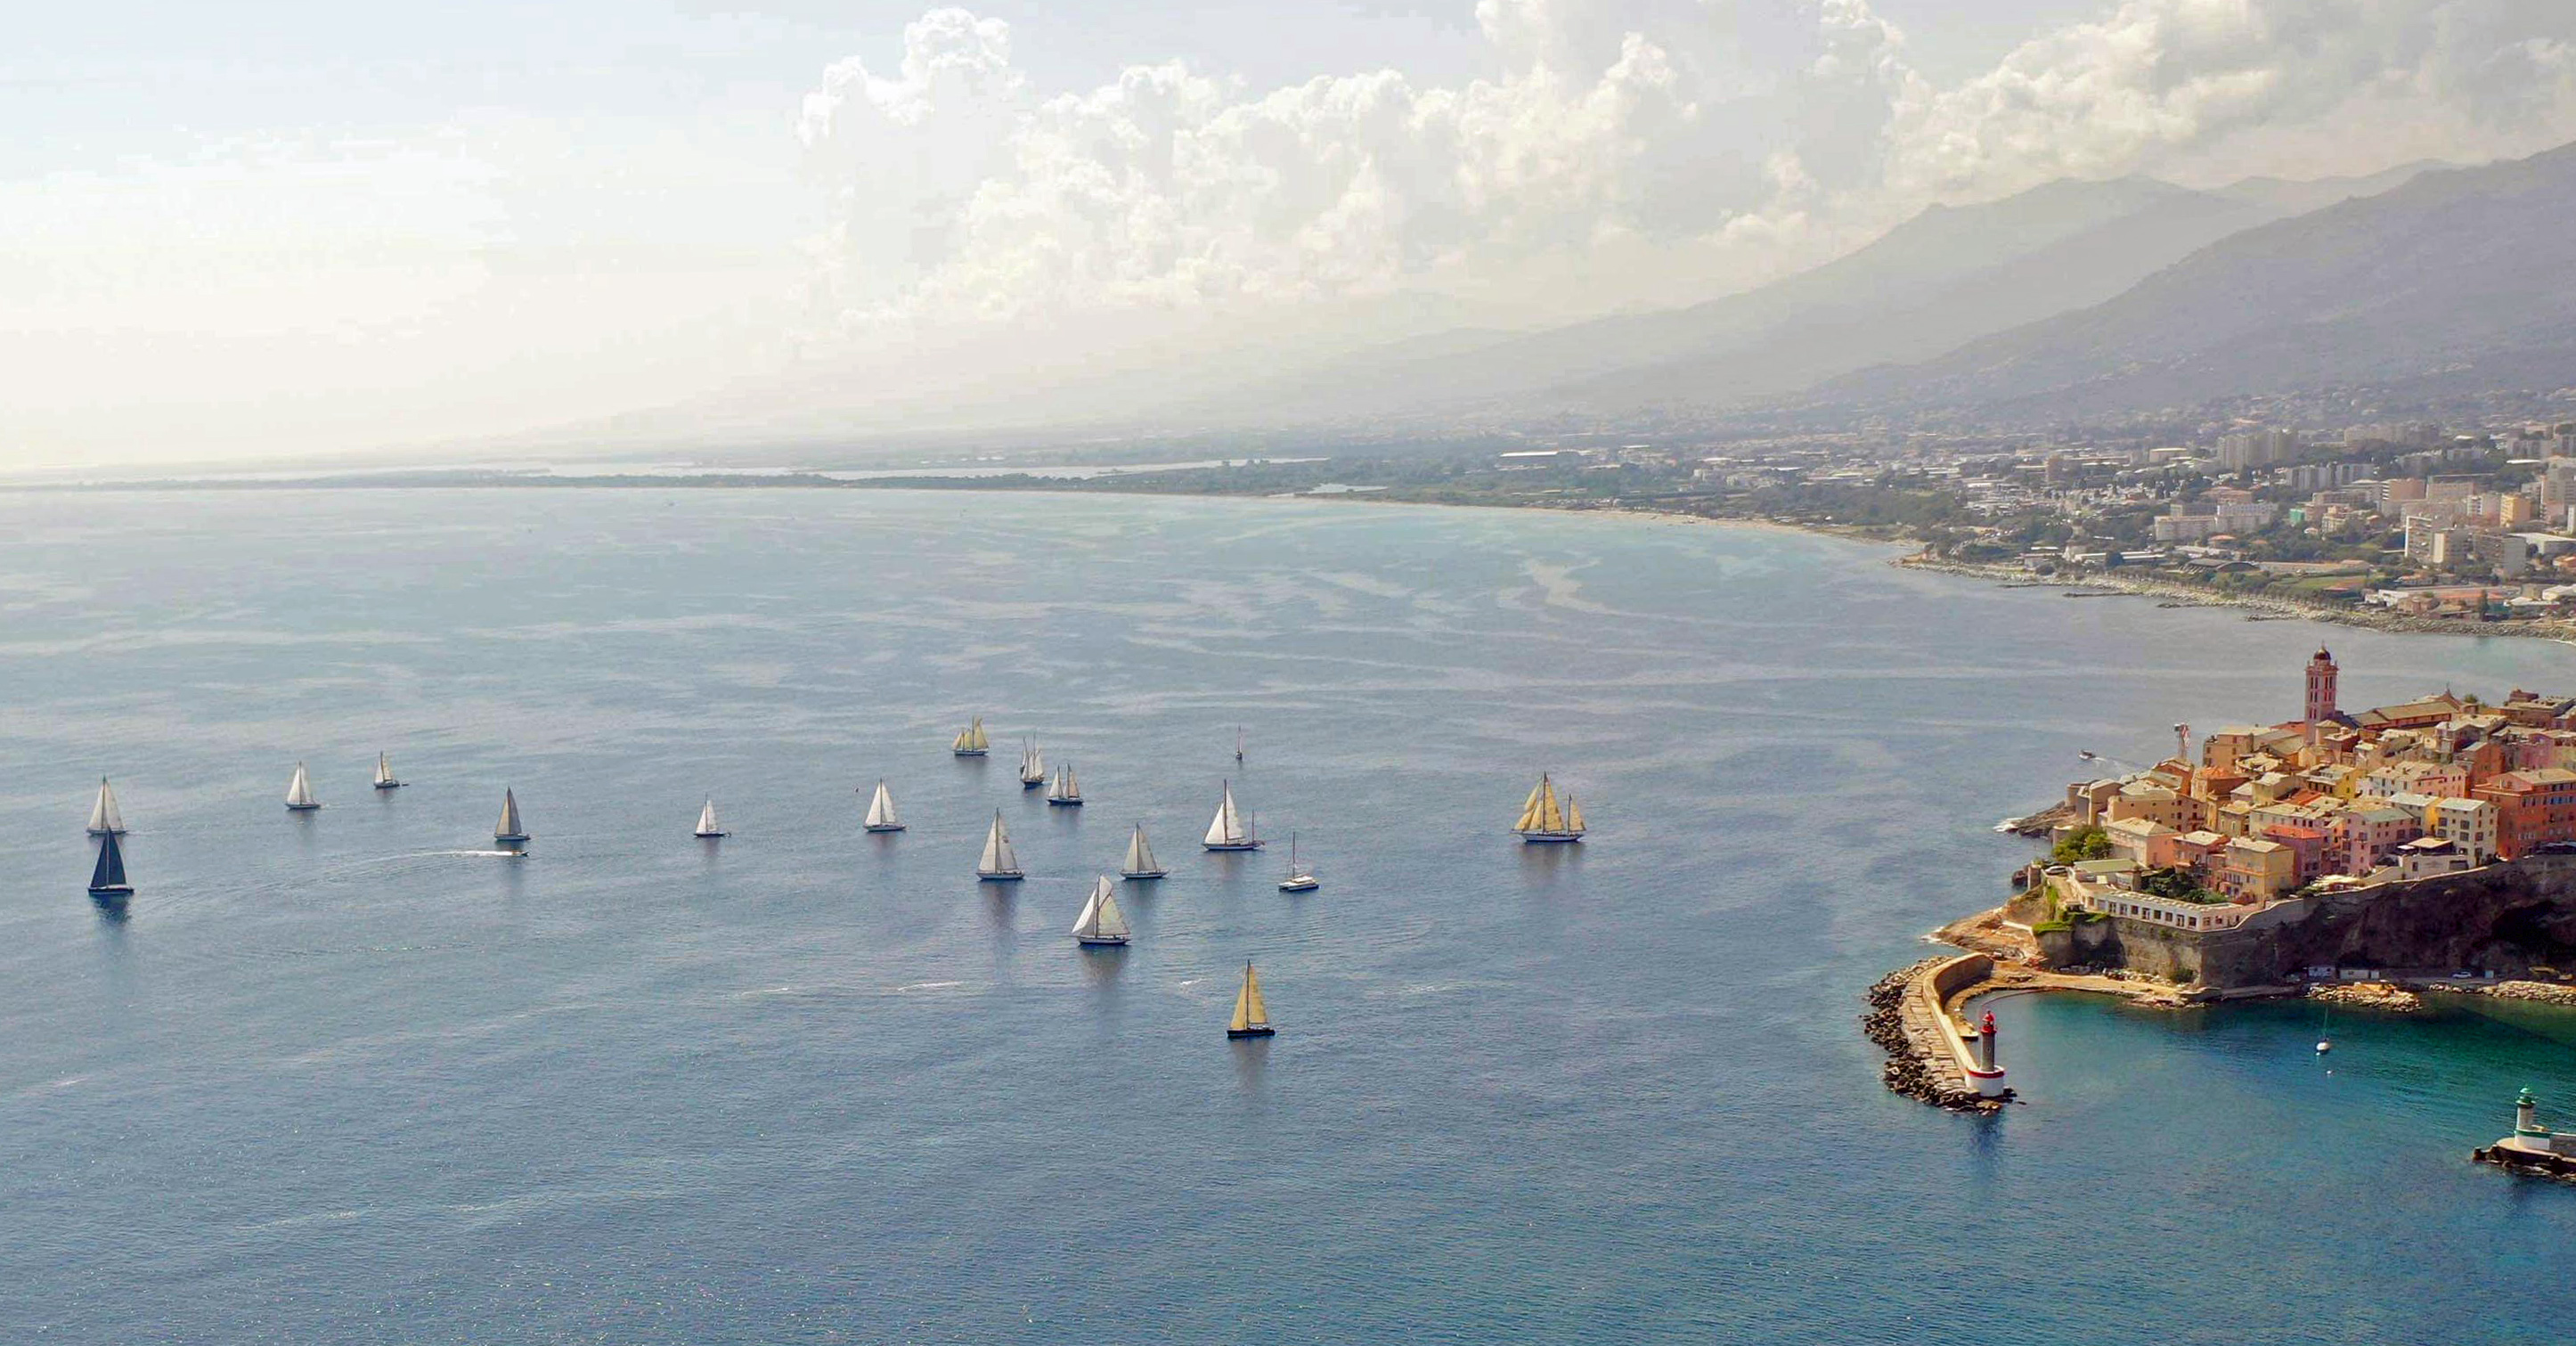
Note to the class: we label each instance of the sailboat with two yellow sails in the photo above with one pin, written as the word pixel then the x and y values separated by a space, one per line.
pixel 1545 821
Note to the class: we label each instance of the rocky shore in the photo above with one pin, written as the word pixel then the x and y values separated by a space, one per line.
pixel 2369 995
pixel 2547 993
pixel 1902 1020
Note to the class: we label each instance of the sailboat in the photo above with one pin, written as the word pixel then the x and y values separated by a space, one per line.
pixel 1066 792
pixel 1298 880
pixel 881 812
pixel 1227 831
pixel 1139 863
pixel 1000 863
pixel 1101 923
pixel 104 818
pixel 1238 743
pixel 108 880
pixel 1033 772
pixel 707 826
pixel 385 774
pixel 299 793
pixel 1251 1017
pixel 1543 819
pixel 970 741
pixel 510 831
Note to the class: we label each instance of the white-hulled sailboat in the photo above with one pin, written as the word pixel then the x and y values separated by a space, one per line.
pixel 1101 923
pixel 1228 831
pixel 105 820
pixel 510 831
pixel 1033 772
pixel 385 773
pixel 1139 863
pixel 108 878
pixel 1251 1017
pixel 1298 880
pixel 970 741
pixel 299 793
pixel 708 828
pixel 1066 792
pixel 1544 820
pixel 1000 863
pixel 881 812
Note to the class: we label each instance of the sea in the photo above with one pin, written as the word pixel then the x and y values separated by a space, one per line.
pixel 350 1076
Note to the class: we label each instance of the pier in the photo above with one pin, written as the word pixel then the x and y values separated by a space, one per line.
pixel 1931 1054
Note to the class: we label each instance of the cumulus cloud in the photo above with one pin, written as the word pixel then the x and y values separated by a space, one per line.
pixel 962 193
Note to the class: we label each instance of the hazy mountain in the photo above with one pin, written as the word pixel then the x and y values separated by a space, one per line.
pixel 1943 278
pixel 2458 281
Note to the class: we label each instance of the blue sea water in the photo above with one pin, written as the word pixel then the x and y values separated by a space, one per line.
pixel 346 1077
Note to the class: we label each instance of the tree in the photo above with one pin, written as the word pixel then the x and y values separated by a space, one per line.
pixel 2084 843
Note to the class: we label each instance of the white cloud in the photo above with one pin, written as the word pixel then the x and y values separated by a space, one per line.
pixel 1690 139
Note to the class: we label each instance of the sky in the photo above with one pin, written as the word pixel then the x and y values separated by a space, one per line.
pixel 273 228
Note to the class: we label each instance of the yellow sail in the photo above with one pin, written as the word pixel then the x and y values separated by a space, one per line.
pixel 1573 815
pixel 1550 817
pixel 1529 808
pixel 1249 1012
pixel 971 738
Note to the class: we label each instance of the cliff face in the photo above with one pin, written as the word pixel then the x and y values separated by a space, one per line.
pixel 2504 918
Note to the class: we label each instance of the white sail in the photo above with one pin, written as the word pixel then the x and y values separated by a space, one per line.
pixel 707 820
pixel 1140 856
pixel 1033 770
pixel 881 809
pixel 1101 921
pixel 104 817
pixel 509 828
pixel 299 791
pixel 998 855
pixel 1227 829
pixel 384 770
pixel 1067 789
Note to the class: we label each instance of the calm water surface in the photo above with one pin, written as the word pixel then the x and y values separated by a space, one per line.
pixel 343 1077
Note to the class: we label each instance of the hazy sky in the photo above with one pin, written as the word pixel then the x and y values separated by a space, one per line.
pixel 285 226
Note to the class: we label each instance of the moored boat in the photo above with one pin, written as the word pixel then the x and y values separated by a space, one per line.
pixel 1298 880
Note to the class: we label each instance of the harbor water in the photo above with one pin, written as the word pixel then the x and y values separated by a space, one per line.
pixel 350 1076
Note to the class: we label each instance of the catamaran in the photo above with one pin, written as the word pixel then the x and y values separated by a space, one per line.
pixel 1298 880
pixel 104 818
pixel 385 774
pixel 1000 864
pixel 708 828
pixel 970 741
pixel 1139 863
pixel 1229 831
pixel 299 793
pixel 108 880
pixel 1543 820
pixel 881 812
pixel 1066 792
pixel 1100 923
pixel 510 831
pixel 1251 1017
pixel 1033 772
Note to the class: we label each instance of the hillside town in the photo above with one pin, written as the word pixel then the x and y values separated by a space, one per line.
pixel 2334 799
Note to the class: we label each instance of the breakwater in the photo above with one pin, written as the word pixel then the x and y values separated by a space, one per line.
pixel 1909 1018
